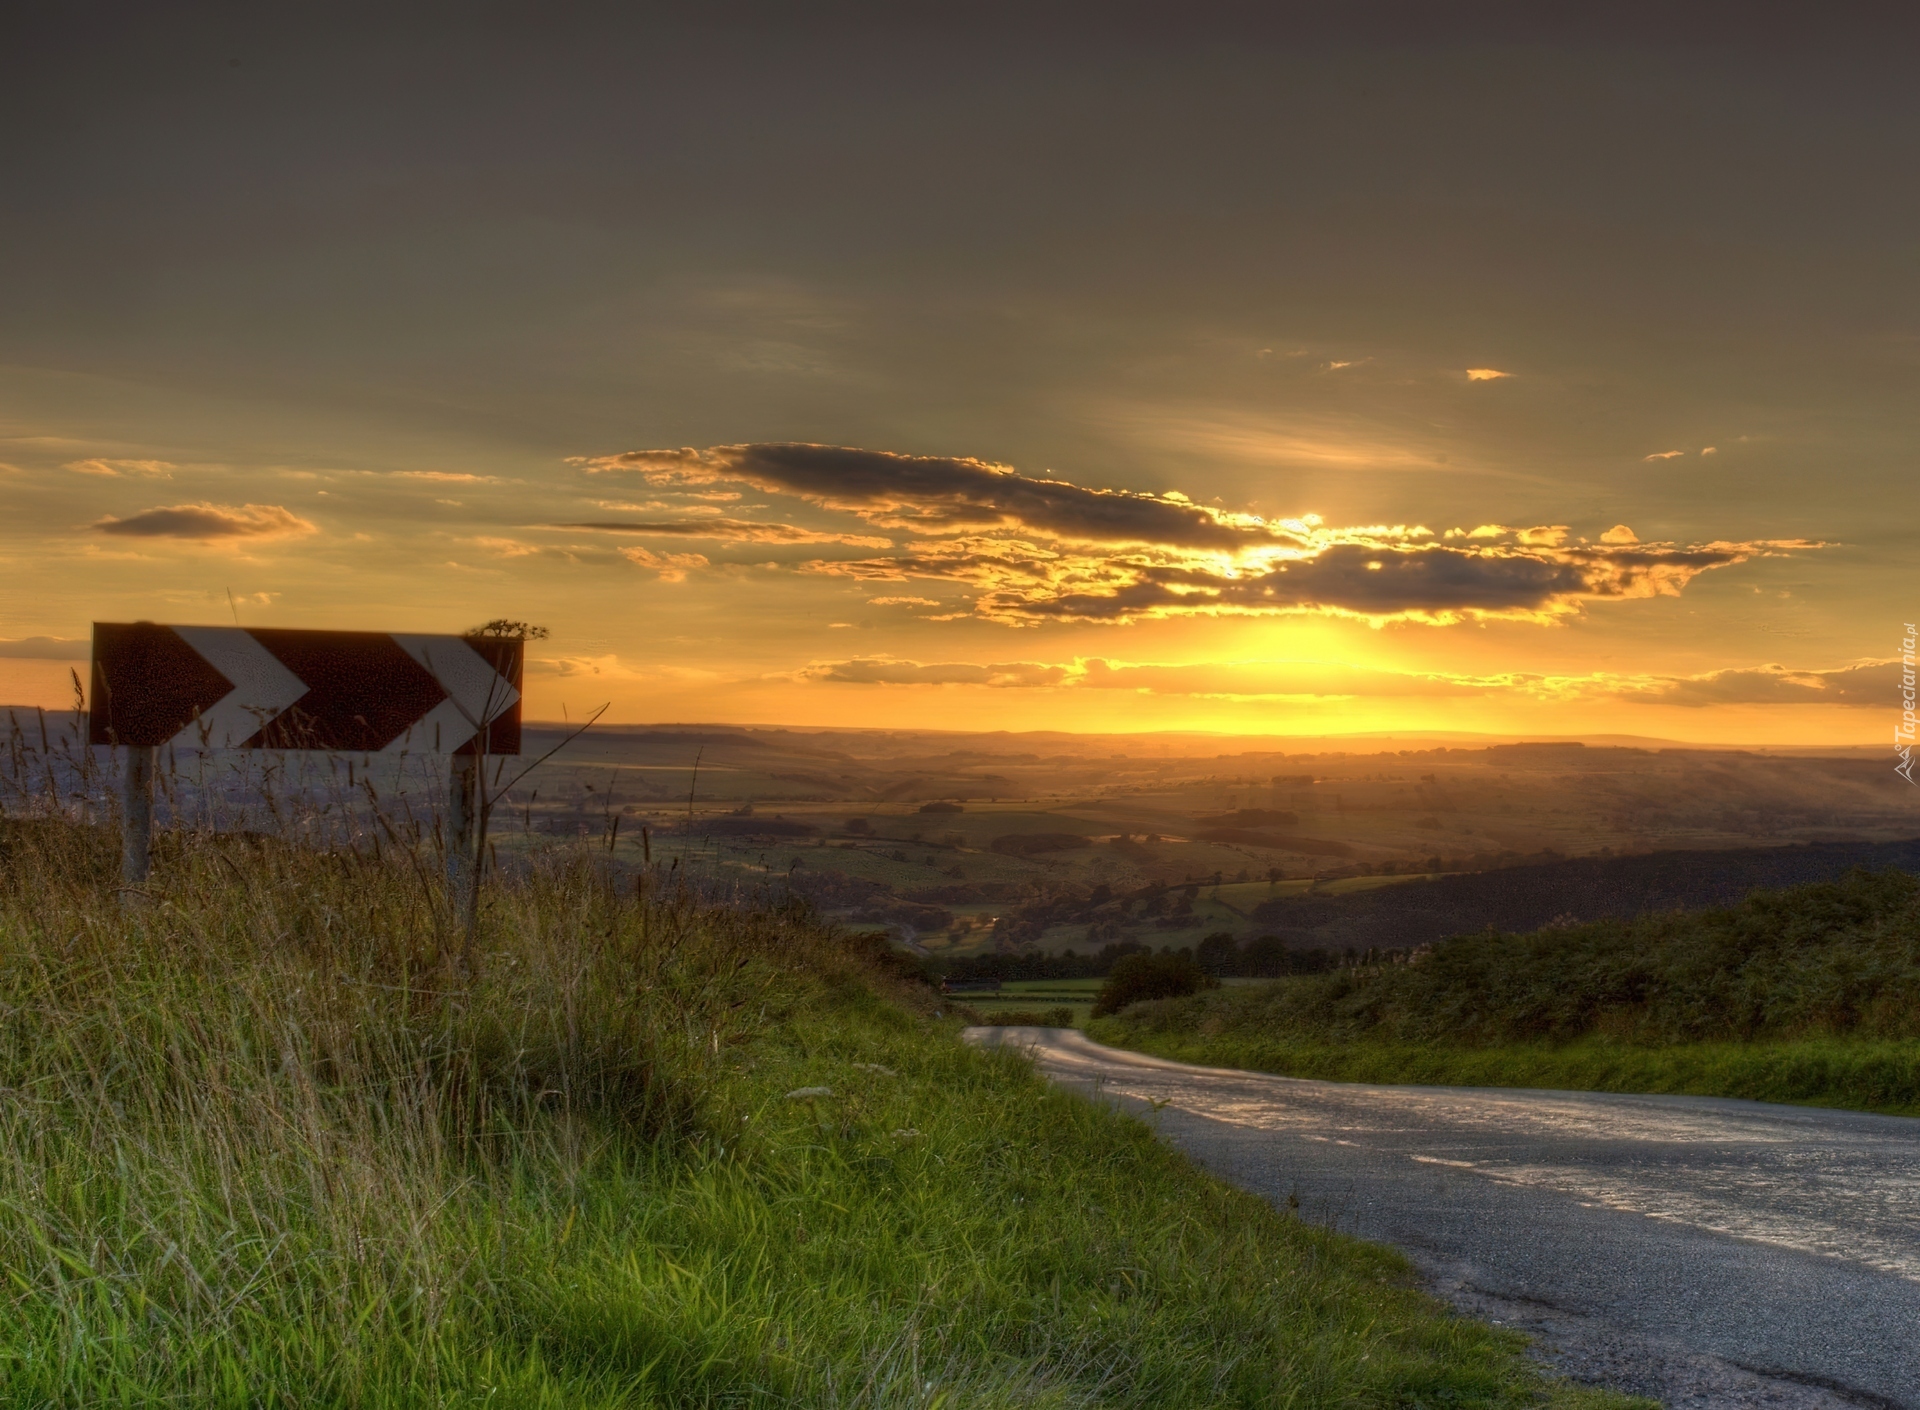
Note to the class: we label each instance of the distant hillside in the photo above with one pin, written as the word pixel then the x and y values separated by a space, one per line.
pixel 1524 898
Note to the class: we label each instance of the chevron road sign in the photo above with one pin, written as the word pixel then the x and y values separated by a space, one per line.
pixel 357 692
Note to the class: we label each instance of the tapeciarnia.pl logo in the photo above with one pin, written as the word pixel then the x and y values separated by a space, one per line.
pixel 1903 739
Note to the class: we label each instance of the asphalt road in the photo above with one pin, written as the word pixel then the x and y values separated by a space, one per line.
pixel 1708 1252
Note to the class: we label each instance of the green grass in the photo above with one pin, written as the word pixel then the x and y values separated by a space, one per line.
pixel 1021 1000
pixel 1809 995
pixel 282 1136
pixel 1856 1075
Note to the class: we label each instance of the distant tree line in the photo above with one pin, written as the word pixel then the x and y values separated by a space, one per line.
pixel 1219 955
pixel 1518 899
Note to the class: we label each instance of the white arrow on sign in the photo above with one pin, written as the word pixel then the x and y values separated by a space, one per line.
pixel 262 689
pixel 477 695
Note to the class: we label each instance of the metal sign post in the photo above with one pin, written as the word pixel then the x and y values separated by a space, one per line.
pixel 136 814
pixel 348 692
pixel 463 825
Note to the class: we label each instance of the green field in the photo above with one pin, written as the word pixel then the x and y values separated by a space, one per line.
pixel 1037 994
pixel 280 1133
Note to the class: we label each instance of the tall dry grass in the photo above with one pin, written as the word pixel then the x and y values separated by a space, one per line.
pixel 284 1104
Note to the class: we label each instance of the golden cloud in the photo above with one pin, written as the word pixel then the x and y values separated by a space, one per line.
pixel 1868 685
pixel 732 530
pixel 1874 683
pixel 117 469
pixel 672 567
pixel 887 670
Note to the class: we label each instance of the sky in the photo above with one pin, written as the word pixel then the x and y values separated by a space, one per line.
pixel 1253 369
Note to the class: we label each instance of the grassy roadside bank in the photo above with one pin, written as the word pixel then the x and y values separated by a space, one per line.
pixel 1855 1076
pixel 283 1138
pixel 1810 995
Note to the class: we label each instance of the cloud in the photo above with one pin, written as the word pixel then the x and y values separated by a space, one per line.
pixel 1870 685
pixel 903 602
pixel 1663 455
pixel 443 477
pixel 46 648
pixel 209 521
pixel 609 667
pixel 887 670
pixel 1486 374
pixel 1226 679
pixel 733 530
pixel 1294 440
pixel 1272 679
pixel 117 469
pixel 508 548
pixel 1875 684
pixel 1032 551
pixel 672 567
pixel 931 494
pixel 1378 581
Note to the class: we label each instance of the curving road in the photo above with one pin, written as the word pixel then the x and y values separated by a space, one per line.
pixel 1704 1251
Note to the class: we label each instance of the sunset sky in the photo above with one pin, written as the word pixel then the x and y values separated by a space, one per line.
pixel 1108 371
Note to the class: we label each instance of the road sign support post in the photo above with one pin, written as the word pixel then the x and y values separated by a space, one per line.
pixel 463 817
pixel 136 814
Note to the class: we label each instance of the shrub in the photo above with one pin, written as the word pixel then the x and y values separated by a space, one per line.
pixel 1030 844
pixel 1139 977
pixel 1059 1016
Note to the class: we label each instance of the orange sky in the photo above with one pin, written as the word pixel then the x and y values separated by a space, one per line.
pixel 1522 383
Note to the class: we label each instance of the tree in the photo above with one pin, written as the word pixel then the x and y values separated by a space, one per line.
pixel 1140 977
pixel 511 630
pixel 1217 953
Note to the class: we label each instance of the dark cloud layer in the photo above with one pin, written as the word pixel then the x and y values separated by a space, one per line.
pixel 1875 685
pixel 1434 582
pixel 208 521
pixel 1374 582
pixel 949 494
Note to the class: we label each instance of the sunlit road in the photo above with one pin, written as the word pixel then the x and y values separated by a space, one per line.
pixel 1655 1239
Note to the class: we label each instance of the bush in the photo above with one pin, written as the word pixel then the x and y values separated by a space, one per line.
pixel 1032 844
pixel 1140 977
pixel 1059 1016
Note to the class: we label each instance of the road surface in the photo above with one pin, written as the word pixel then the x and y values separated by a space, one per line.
pixel 1708 1252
